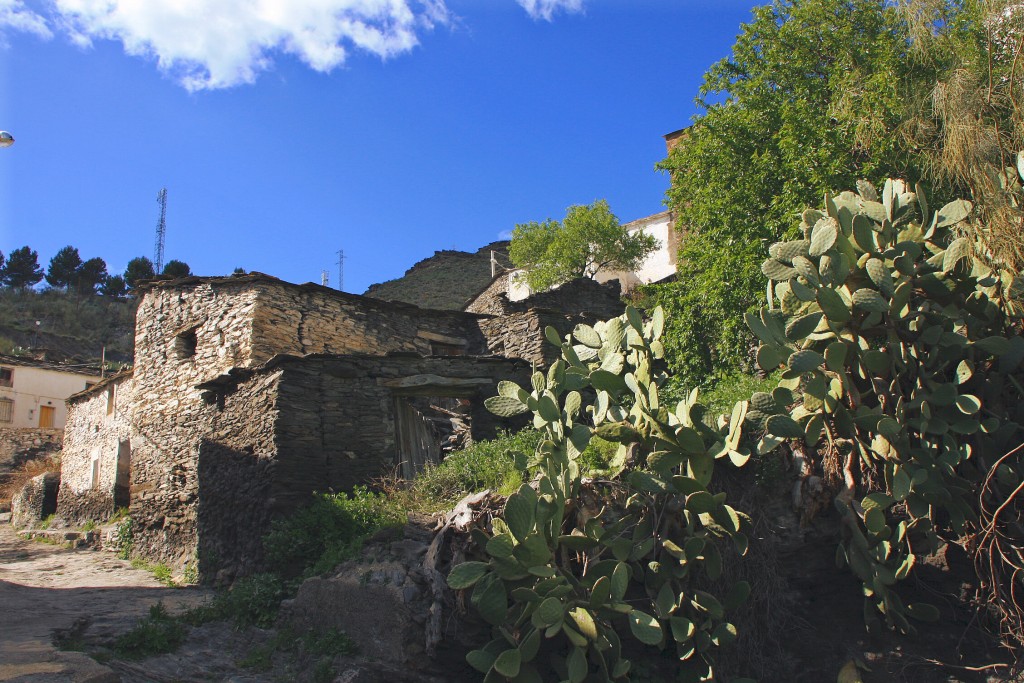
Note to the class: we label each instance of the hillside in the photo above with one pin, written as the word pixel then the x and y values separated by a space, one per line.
pixel 69 325
pixel 446 280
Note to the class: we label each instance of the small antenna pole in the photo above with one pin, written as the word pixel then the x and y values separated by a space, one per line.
pixel 161 231
pixel 325 278
pixel 341 270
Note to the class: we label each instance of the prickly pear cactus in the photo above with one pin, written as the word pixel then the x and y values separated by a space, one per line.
pixel 900 352
pixel 563 583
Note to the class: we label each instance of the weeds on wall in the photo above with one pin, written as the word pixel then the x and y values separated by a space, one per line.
pixel 326 532
pixel 122 539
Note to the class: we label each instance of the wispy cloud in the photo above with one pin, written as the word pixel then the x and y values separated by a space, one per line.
pixel 209 44
pixel 546 9
pixel 15 15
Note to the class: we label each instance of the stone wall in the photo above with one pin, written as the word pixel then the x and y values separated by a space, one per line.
pixel 97 431
pixel 310 319
pixel 521 335
pixel 236 466
pixel 19 445
pixel 582 296
pixel 322 423
pixel 36 500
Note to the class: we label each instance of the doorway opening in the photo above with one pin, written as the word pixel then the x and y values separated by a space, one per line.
pixel 122 479
pixel 428 428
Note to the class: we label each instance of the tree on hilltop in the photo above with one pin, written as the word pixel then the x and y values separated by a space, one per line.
pixel 140 268
pixel 22 270
pixel 91 275
pixel 588 239
pixel 176 268
pixel 114 286
pixel 64 268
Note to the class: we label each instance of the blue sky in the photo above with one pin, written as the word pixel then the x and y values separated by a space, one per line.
pixel 387 128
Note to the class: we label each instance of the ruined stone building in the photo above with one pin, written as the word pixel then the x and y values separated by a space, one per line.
pixel 249 393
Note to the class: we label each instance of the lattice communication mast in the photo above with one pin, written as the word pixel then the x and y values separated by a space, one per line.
pixel 161 231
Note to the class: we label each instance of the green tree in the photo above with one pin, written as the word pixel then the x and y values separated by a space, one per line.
pixel 22 270
pixel 814 96
pixel 91 275
pixel 140 268
pixel 114 286
pixel 588 239
pixel 176 268
pixel 63 268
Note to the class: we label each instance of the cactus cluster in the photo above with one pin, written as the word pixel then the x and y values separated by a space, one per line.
pixel 899 350
pixel 564 581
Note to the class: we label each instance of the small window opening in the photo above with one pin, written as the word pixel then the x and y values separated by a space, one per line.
pixel 6 377
pixel 94 470
pixel 185 344
pixel 6 410
pixel 111 401
pixel 443 349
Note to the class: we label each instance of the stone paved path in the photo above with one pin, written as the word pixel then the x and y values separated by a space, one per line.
pixel 45 588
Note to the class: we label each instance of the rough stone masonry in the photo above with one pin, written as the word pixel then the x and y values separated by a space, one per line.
pixel 249 393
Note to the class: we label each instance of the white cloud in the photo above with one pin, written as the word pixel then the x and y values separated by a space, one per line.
pixel 14 15
pixel 209 44
pixel 545 9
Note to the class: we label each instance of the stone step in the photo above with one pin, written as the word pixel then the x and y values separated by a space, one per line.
pixel 75 539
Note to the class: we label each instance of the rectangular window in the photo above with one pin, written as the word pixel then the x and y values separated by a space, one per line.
pixel 443 349
pixel 111 400
pixel 6 377
pixel 6 410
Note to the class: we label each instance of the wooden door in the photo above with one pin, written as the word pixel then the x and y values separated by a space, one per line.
pixel 46 414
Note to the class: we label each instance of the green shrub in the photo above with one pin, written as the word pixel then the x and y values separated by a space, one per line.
pixel 252 601
pixel 122 539
pixel 484 465
pixel 157 634
pixel 329 530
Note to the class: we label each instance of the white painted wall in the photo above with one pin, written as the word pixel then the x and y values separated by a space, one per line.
pixel 659 265
pixel 34 387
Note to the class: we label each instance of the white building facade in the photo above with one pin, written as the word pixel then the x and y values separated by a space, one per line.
pixel 32 393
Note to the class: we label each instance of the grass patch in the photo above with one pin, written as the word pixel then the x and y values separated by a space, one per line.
pixel 251 601
pixel 157 634
pixel 484 465
pixel 328 531
pixel 161 572
pixel 322 646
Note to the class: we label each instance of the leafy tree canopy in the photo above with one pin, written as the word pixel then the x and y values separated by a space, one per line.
pixel 815 95
pixel 22 269
pixel 588 239
pixel 63 268
pixel 140 268
pixel 114 286
pixel 90 275
pixel 176 268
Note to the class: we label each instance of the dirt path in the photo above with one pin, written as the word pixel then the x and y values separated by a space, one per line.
pixel 45 588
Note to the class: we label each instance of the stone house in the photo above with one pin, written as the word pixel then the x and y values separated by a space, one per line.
pixel 249 393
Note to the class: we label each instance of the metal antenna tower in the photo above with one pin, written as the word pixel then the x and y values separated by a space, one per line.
pixel 161 231
pixel 341 270
pixel 325 278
